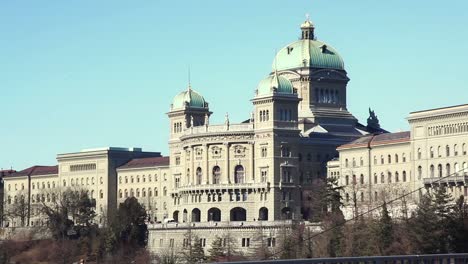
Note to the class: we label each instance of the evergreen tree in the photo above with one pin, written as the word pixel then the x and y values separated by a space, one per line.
pixel 384 230
pixel 458 227
pixel 217 251
pixel 424 227
pixel 442 204
pixel 193 249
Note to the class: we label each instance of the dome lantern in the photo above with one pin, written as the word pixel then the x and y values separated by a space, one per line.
pixel 307 29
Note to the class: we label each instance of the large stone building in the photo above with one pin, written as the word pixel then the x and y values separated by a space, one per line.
pixel 377 168
pixel 240 178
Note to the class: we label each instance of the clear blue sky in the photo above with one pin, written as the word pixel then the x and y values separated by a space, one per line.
pixel 83 74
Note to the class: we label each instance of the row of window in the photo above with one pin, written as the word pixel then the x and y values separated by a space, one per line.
pixel 318 157
pixel 143 193
pixel 390 178
pixel 177 127
pixel 448 129
pixel 143 178
pixel 327 96
pixel 440 151
pixel 83 167
pixel 382 160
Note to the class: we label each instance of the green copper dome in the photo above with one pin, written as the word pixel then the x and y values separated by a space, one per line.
pixel 274 84
pixel 189 98
pixel 307 53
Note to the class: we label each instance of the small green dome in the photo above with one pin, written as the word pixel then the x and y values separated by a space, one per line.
pixel 274 84
pixel 189 98
pixel 307 53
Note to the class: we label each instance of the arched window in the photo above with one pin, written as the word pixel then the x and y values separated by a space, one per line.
pixel 131 179
pixel 439 169
pixel 389 158
pixel 397 177
pixel 431 171
pixel 375 178
pixel 419 153
pixel 465 168
pixel 447 169
pixel 354 162
pixel 431 152
pixel 216 175
pixel 126 193
pixel 455 150
pixel 439 153
pixel 362 179
pixel 346 163
pixel 165 191
pixel 389 177
pixel 404 176
pixel 199 175
pixel 101 194
pixel 382 159
pixel 131 192
pixel 347 179
pixel 137 192
pixel 120 179
pixel 456 168
pixel 138 178
pixel 120 193
pixel 239 174
pixel 375 160
pixel 447 151
pixel 464 149
pixel 156 191
pixel 396 158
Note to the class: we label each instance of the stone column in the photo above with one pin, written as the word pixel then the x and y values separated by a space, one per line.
pixel 227 179
pixel 252 161
pixel 191 165
pixel 207 171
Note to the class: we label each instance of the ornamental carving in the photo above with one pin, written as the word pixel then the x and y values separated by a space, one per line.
pixel 216 152
pixel 198 153
pixel 239 151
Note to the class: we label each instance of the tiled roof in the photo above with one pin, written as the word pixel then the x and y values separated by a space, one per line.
pixel 4 173
pixel 37 170
pixel 376 140
pixel 146 162
pixel 388 138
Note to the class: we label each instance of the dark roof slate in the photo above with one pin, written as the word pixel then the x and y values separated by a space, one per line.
pixel 146 162
pixel 36 170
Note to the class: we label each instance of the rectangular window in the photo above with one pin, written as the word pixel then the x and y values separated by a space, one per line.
pixel 245 242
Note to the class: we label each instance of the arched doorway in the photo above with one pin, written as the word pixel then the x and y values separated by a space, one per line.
pixel 263 214
pixel 175 216
pixel 238 214
pixel 286 213
pixel 239 174
pixel 214 214
pixel 196 215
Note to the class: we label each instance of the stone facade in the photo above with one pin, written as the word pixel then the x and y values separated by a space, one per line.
pixel 379 168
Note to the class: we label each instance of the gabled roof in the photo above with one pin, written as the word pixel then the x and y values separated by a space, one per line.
pixel 391 138
pixel 377 140
pixel 36 170
pixel 146 162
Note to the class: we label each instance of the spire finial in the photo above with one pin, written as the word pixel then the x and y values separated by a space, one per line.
pixel 307 17
pixel 189 88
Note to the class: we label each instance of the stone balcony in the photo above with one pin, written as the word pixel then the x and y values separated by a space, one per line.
pixel 248 127
pixel 451 180
pixel 231 224
pixel 228 186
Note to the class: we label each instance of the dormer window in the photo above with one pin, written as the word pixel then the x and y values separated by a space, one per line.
pixel 289 49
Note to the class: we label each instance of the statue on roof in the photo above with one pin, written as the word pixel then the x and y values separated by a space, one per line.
pixel 372 120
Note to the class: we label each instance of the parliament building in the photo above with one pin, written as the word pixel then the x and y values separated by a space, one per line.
pixel 257 174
